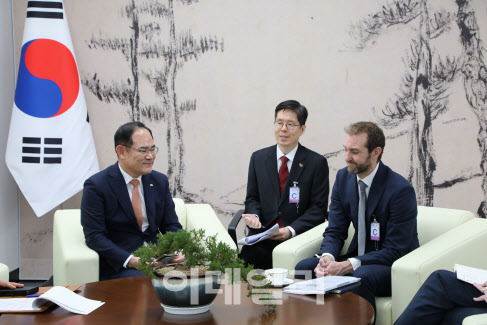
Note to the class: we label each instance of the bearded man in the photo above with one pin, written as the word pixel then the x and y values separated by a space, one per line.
pixel 382 207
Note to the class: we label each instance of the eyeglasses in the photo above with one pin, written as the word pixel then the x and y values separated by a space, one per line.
pixel 289 126
pixel 153 151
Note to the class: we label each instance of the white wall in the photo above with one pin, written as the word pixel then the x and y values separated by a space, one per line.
pixel 9 202
pixel 268 51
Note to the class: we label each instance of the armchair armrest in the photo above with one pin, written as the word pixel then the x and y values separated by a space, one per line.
pixel 73 262
pixel 461 245
pixel 202 216
pixel 232 227
pixel 479 319
pixel 4 275
pixel 290 252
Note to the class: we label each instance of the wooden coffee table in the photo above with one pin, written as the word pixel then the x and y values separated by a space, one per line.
pixel 133 301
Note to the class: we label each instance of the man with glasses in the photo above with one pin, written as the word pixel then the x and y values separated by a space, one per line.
pixel 287 185
pixel 127 204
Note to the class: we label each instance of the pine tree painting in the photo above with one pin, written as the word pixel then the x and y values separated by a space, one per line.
pixel 475 82
pixel 155 52
pixel 422 96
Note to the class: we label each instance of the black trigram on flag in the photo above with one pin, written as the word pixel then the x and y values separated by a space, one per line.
pixel 45 9
pixel 50 150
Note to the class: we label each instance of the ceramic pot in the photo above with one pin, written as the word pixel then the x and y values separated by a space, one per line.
pixel 180 294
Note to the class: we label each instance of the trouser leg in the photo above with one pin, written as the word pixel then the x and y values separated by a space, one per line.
pixel 437 299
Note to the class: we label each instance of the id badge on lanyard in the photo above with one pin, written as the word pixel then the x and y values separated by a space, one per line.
pixel 294 195
pixel 375 232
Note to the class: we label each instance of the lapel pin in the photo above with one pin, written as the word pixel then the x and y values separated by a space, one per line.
pixel 300 165
pixel 151 185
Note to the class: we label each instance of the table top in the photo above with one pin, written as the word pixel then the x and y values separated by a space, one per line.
pixel 133 301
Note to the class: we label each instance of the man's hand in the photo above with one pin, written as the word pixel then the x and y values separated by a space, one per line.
pixel 10 285
pixel 327 266
pixel 251 221
pixel 178 259
pixel 281 235
pixel 322 265
pixel 482 288
pixel 338 268
pixel 132 262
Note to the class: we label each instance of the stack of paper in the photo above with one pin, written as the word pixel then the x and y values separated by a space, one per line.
pixel 61 296
pixel 321 285
pixel 17 304
pixel 470 274
pixel 250 240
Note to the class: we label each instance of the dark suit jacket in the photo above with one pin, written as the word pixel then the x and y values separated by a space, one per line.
pixel 309 169
pixel 391 200
pixel 108 218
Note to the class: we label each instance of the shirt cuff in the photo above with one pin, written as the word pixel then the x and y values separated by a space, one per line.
pixel 325 254
pixel 293 232
pixel 355 263
pixel 127 261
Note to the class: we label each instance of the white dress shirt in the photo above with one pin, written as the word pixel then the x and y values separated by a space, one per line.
pixel 290 157
pixel 130 188
pixel 368 181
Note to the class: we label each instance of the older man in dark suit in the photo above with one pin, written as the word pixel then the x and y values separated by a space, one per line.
pixel 287 185
pixel 382 207
pixel 127 204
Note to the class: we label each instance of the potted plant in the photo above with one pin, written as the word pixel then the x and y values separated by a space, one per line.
pixel 190 288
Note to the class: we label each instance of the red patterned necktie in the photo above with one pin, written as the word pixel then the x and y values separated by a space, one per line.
pixel 283 173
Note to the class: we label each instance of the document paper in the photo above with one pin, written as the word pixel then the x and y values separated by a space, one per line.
pixel 17 304
pixel 250 240
pixel 320 285
pixel 61 296
pixel 470 274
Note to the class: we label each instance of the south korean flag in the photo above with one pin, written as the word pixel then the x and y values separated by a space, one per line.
pixel 50 149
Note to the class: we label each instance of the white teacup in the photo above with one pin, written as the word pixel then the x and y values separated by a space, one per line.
pixel 277 276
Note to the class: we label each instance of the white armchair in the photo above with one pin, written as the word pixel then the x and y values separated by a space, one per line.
pixel 480 319
pixel 3 272
pixel 74 263
pixel 462 245
pixel 408 272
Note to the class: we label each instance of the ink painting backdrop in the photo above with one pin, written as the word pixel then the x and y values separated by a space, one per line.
pixel 206 75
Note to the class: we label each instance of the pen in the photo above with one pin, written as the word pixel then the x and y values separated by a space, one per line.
pixel 32 296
